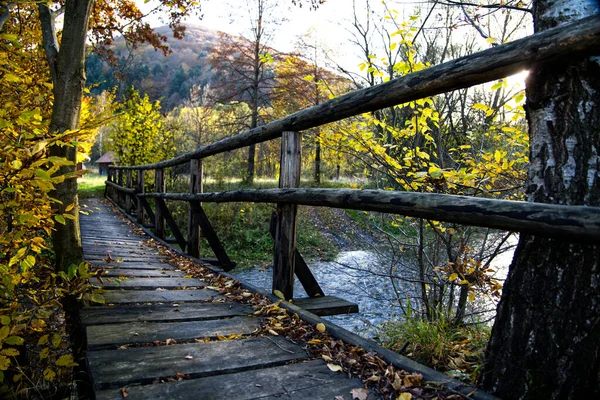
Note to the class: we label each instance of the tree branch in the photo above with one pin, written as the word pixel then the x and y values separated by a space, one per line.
pixel 49 40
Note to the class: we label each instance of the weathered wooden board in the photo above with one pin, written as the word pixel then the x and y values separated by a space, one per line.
pixel 115 272
pixel 326 305
pixel 147 283
pixel 113 248
pixel 138 253
pixel 89 239
pixel 159 296
pixel 162 313
pixel 302 380
pixel 117 368
pixel 147 332
pixel 151 265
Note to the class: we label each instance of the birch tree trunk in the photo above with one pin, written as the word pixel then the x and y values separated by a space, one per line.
pixel 545 342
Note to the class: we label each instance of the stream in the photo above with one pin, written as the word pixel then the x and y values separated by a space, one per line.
pixel 349 277
pixel 373 294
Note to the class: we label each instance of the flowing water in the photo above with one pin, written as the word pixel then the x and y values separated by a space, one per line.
pixel 351 278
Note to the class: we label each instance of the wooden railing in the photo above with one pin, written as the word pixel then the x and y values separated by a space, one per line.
pixel 578 223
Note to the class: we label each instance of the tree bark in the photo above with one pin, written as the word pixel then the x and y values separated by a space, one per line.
pixel 545 342
pixel 68 75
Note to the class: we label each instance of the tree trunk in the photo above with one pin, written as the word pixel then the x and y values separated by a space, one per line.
pixel 317 158
pixel 545 342
pixel 68 75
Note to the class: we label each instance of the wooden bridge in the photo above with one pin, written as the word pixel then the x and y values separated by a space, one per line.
pixel 161 336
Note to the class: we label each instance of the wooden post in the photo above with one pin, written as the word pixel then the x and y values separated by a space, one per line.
pixel 159 187
pixel 140 189
pixel 106 187
pixel 285 232
pixel 121 182
pixel 129 183
pixel 196 186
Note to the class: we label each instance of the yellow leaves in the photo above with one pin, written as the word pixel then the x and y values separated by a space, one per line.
pixel 97 298
pixel 56 340
pixel 4 332
pixel 405 396
pixel 38 325
pixel 66 361
pixel 335 367
pixel 4 363
pixel 12 78
pixel 16 164
pixel 60 219
pixel 321 327
pixel 453 277
pixel 10 352
pixel 471 297
pixel 49 374
pixel 43 340
pixel 435 172
pixel 44 353
pixel 279 294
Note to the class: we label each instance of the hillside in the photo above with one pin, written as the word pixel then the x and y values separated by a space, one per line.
pixel 166 78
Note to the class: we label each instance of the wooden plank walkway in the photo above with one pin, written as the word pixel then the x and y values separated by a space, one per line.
pixel 150 303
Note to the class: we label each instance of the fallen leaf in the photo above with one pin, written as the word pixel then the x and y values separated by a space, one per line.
pixel 359 394
pixel 272 332
pixel 321 327
pixel 405 396
pixel 189 357
pixel 335 367
pixel 279 294
pixel 124 393
pixel 326 358
pixel 339 398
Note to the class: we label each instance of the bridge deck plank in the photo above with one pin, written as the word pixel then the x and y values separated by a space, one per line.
pixel 106 336
pixel 140 283
pixel 162 313
pixel 116 368
pixel 115 272
pixel 301 380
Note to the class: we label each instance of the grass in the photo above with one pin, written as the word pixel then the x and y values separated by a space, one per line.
pixel 90 185
pixel 456 350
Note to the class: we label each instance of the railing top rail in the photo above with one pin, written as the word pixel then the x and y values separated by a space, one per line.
pixel 580 37
pixel 578 223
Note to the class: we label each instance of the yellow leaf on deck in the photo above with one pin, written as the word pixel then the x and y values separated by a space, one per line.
pixel 335 367
pixel 321 327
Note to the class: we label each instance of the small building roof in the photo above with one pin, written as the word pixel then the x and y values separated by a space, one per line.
pixel 106 158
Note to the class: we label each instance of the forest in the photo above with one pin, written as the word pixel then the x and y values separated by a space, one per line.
pixel 82 79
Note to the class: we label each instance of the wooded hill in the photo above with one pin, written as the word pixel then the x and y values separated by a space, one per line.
pixel 167 78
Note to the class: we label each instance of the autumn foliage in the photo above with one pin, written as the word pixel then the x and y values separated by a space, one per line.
pixel 33 344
